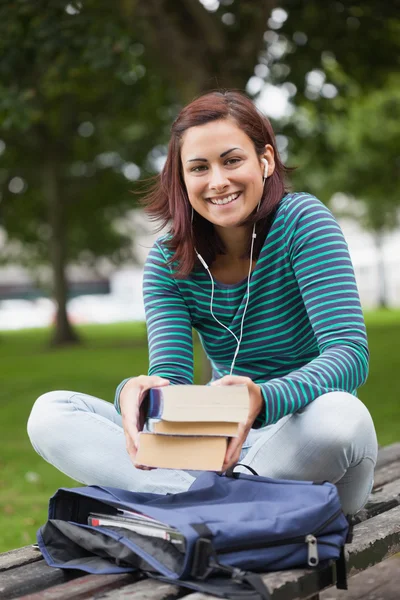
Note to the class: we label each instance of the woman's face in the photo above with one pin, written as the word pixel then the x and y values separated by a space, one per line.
pixel 222 172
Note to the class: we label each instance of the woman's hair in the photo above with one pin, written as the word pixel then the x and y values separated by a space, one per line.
pixel 167 200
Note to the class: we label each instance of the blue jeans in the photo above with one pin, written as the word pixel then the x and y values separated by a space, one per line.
pixel 333 438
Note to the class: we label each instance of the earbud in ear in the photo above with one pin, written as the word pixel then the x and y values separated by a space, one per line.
pixel 266 167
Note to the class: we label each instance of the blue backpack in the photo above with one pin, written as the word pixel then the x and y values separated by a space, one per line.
pixel 233 526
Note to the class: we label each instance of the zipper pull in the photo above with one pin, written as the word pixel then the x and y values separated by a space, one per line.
pixel 313 558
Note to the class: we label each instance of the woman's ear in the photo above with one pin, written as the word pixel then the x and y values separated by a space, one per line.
pixel 269 156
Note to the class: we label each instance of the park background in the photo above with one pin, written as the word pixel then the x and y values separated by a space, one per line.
pixel 88 91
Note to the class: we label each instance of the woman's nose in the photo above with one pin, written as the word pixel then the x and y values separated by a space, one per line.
pixel 218 179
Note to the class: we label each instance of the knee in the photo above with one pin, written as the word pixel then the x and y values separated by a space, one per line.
pixel 44 418
pixel 343 424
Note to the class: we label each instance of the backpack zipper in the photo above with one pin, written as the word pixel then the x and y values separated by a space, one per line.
pixel 310 540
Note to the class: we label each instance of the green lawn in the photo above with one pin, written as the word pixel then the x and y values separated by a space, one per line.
pixel 110 353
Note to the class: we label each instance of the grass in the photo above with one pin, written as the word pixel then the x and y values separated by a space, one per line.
pixel 108 354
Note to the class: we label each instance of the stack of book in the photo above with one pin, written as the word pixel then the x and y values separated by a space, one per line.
pixel 188 426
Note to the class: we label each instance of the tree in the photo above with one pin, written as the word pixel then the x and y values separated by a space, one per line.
pixel 365 164
pixel 79 96
pixel 74 109
pixel 89 89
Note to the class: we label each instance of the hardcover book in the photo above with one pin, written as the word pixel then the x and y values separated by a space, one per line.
pixel 192 428
pixel 201 403
pixel 205 453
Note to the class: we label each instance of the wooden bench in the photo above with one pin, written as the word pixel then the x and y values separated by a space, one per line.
pixel 23 572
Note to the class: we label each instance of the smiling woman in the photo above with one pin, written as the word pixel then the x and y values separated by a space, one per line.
pixel 265 278
pixel 216 152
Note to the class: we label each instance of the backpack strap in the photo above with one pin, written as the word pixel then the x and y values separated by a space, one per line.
pixel 225 581
pixel 230 473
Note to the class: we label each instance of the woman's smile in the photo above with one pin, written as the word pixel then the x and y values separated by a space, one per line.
pixel 225 200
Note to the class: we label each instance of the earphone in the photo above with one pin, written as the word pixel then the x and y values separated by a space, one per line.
pixel 203 262
pixel 266 168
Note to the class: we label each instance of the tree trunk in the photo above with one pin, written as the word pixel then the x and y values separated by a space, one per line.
pixel 63 331
pixel 383 301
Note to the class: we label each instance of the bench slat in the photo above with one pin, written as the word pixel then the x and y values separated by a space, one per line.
pixel 19 557
pixel 31 578
pixel 83 587
pixel 148 589
pixel 381 500
pixel 387 455
pixel 386 474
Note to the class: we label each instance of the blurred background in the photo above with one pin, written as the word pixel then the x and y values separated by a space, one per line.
pixel 88 91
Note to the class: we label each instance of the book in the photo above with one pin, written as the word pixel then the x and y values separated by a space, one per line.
pixel 203 403
pixel 143 527
pixel 192 428
pixel 198 453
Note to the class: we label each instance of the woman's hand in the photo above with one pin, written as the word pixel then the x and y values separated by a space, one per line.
pixel 130 400
pixel 255 406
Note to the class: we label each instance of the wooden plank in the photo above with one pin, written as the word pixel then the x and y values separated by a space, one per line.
pixel 32 577
pixel 387 455
pixel 382 581
pixel 381 500
pixel 374 540
pixel 386 474
pixel 19 557
pixel 83 587
pixel 149 590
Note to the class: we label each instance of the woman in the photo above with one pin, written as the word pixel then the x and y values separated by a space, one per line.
pixel 265 278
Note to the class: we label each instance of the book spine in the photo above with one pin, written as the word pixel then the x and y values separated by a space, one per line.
pixel 155 408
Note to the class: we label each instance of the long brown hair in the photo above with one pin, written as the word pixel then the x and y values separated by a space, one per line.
pixel 167 200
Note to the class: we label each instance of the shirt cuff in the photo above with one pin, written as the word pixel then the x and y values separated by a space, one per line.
pixel 260 420
pixel 118 392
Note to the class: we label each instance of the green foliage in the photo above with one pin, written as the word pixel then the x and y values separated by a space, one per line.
pixel 339 60
pixel 76 91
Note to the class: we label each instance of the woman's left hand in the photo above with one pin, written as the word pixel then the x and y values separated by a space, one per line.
pixel 255 405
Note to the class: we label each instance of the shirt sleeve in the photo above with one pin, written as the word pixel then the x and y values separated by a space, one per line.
pixel 169 328
pixel 319 257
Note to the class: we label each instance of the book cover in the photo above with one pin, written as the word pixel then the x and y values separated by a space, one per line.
pixel 201 403
pixel 164 532
pixel 204 453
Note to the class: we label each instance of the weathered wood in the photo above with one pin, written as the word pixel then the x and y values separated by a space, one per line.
pixel 374 540
pixel 386 474
pixel 83 587
pixel 19 557
pixel 31 578
pixel 387 455
pixel 381 500
pixel 147 590
pixel 380 582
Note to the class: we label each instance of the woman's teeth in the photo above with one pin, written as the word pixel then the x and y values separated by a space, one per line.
pixel 225 200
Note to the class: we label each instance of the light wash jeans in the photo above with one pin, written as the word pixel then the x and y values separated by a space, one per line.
pixel 333 439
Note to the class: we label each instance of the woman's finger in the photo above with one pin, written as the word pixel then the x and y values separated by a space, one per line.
pixel 231 380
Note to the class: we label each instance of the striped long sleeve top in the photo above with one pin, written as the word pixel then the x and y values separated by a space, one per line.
pixel 304 333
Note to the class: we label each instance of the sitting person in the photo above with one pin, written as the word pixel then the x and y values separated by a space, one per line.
pixel 264 276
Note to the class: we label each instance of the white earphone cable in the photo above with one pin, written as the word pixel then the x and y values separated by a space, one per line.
pixel 203 262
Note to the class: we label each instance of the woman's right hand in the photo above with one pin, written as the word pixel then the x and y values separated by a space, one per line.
pixel 130 400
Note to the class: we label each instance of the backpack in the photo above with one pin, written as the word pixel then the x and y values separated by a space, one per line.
pixel 229 527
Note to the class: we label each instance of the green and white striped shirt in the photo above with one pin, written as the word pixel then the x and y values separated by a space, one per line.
pixel 304 333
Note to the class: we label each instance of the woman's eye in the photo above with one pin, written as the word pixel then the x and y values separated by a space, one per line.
pixel 198 168
pixel 232 161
